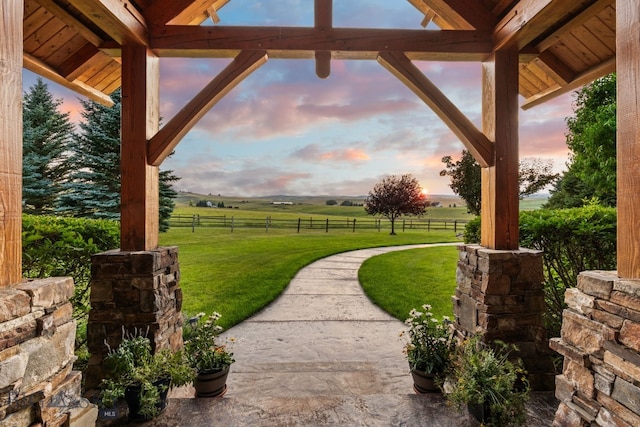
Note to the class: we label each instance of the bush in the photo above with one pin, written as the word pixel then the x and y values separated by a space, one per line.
pixel 62 246
pixel 331 202
pixel 572 240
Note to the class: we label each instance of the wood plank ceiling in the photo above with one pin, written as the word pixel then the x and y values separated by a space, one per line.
pixel 563 44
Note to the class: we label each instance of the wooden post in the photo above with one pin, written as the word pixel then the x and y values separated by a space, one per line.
pixel 500 125
pixel 139 221
pixel 11 17
pixel 628 137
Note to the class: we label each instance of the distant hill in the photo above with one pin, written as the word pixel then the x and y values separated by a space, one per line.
pixel 184 198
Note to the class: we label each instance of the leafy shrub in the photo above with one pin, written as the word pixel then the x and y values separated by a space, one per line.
pixel 572 240
pixel 62 246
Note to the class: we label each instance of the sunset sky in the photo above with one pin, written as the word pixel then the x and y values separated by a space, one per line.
pixel 285 131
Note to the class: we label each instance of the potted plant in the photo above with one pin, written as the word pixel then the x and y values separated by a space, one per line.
pixel 141 377
pixel 485 379
pixel 428 349
pixel 210 360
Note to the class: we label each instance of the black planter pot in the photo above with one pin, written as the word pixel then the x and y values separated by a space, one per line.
pixel 211 384
pixel 480 411
pixel 424 383
pixel 132 397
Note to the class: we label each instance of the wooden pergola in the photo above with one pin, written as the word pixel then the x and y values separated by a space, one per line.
pixel 534 48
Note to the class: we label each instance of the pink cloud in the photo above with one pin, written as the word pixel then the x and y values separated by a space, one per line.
pixel 313 152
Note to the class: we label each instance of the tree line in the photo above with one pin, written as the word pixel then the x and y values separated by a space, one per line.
pixel 76 172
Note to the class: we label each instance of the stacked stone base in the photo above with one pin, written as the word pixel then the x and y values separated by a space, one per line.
pixel 600 342
pixel 136 292
pixel 37 339
pixel 500 296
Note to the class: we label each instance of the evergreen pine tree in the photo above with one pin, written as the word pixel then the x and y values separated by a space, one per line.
pixel 93 190
pixel 46 137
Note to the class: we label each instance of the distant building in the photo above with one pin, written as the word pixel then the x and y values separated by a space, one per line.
pixel 282 203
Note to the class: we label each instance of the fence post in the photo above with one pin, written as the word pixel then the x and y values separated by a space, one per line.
pixel 266 224
pixel 429 225
pixel 403 223
pixel 225 217
pixel 455 226
pixel 193 224
pixel 326 230
pixel 379 221
pixel 299 219
pixel 354 225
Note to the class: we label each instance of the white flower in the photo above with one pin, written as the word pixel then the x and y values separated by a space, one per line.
pixel 446 318
pixel 426 307
pixel 434 320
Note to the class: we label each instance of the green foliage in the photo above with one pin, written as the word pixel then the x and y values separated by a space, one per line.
pixel 203 354
pixel 592 141
pixel 395 196
pixel 430 341
pixel 331 202
pixel 55 246
pixel 93 187
pixel 484 374
pixel 134 363
pixel 466 179
pixel 573 240
pixel 472 231
pixel 46 138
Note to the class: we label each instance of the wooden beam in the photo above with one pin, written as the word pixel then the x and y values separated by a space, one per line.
pixel 118 18
pixel 80 62
pixel 11 36
pixel 500 203
pixel 71 21
pixel 529 19
pixel 323 17
pixel 163 143
pixel 580 19
pixel 580 80
pixel 180 12
pixel 555 68
pixel 474 140
pixel 628 138
pixel 201 41
pixel 464 14
pixel 39 67
pixel 139 193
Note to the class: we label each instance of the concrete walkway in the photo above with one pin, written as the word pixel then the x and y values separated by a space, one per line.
pixel 321 354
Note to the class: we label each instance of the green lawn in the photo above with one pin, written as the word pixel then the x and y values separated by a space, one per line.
pixel 238 273
pixel 403 280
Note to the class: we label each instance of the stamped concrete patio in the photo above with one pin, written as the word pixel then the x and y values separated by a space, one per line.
pixel 323 354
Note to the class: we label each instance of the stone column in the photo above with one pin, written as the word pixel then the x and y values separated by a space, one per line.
pixel 133 291
pixel 500 295
pixel 600 342
pixel 37 337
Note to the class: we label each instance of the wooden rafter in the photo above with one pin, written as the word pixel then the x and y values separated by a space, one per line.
pixel 183 12
pixel 118 18
pixel 72 22
pixel 163 143
pixel 554 68
pixel 580 19
pixel 603 69
pixel 477 143
pixel 297 42
pixel 39 67
pixel 528 20
pixel 460 14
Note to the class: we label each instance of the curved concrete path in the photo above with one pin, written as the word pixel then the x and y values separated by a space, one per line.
pixel 321 354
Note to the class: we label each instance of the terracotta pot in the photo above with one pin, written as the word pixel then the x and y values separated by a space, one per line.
pixel 132 397
pixel 211 384
pixel 424 383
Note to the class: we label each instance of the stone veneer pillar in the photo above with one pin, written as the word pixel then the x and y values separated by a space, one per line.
pixel 37 339
pixel 600 342
pixel 500 295
pixel 135 291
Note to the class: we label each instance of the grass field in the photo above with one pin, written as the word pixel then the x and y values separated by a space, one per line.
pixel 238 273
